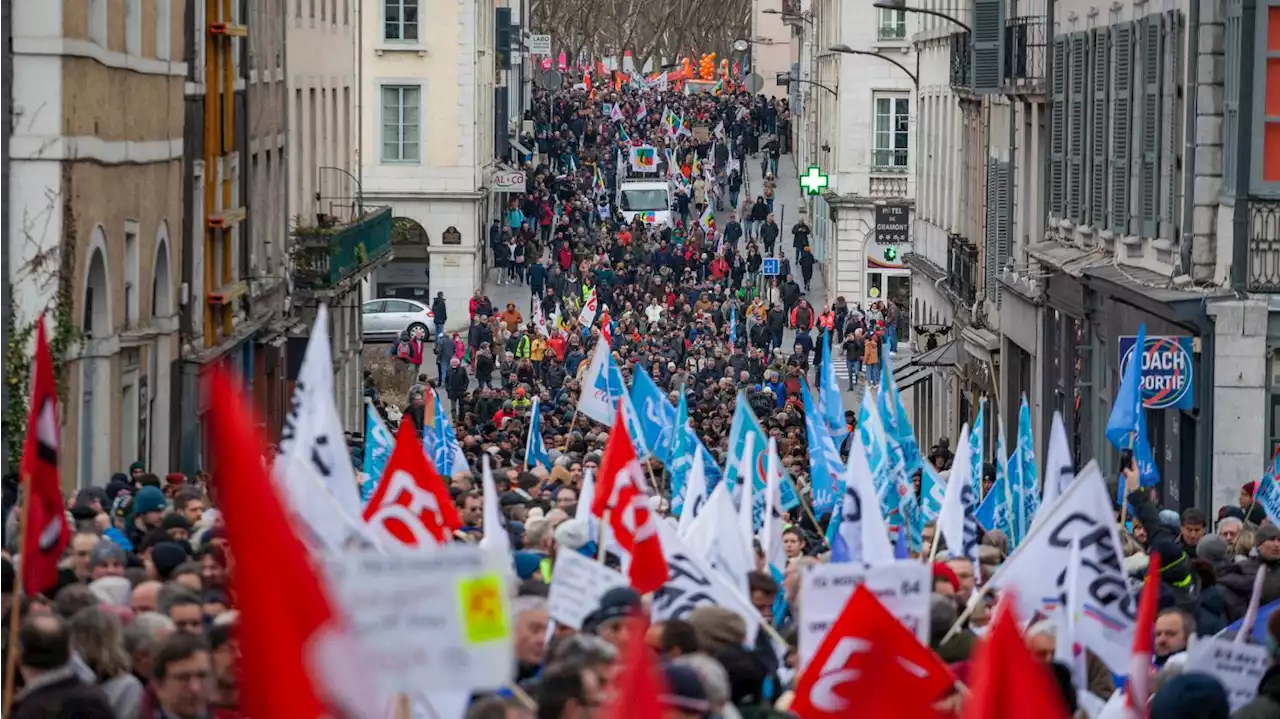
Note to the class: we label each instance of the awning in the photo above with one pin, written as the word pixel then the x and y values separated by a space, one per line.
pixel 913 376
pixel 943 356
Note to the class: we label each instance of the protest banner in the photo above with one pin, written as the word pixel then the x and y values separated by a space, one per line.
pixel 576 587
pixel 429 621
pixel 902 587
pixel 1238 666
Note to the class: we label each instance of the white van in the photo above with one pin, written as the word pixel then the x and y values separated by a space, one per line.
pixel 649 199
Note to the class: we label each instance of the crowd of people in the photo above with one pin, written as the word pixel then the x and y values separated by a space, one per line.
pixel 142 622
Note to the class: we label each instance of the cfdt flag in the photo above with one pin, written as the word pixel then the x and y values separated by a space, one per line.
pixel 535 451
pixel 45 533
pixel 824 460
pixel 832 407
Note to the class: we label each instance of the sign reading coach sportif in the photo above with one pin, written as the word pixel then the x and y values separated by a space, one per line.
pixel 1168 370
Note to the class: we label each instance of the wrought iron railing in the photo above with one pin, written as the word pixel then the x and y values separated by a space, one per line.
pixel 1024 55
pixel 961 62
pixel 325 256
pixel 1264 245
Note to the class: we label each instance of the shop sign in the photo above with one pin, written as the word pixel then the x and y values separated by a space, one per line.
pixel 1168 370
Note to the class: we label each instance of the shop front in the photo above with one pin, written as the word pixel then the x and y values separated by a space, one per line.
pixel 1088 327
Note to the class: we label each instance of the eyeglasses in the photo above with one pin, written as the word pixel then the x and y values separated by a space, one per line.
pixel 199 676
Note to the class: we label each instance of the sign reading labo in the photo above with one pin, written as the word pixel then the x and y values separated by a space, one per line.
pixel 1168 370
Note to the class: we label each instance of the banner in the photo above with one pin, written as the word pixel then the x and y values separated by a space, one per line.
pixel 904 588
pixel 576 587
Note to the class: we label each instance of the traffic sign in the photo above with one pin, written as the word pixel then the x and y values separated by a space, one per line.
pixel 754 83
pixel 814 181
pixel 550 79
pixel 771 267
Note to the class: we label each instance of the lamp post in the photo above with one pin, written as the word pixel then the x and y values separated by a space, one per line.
pixel 790 16
pixel 902 6
pixel 786 79
pixel 845 49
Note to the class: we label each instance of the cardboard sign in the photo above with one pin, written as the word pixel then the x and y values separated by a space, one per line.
pixel 576 587
pixel 903 587
pixel 1238 666
pixel 428 621
pixel 701 133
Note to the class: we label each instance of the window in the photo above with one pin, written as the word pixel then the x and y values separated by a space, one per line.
pixel 131 273
pixel 399 306
pixel 893 25
pixel 400 20
pixel 164 28
pixel 133 27
pixel 401 129
pixel 892 133
pixel 372 308
pixel 1265 173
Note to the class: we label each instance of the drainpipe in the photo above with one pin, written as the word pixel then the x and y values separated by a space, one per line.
pixel 1189 138
pixel 1244 148
pixel 1045 156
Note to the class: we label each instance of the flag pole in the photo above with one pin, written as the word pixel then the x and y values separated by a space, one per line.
pixel 604 523
pixel 15 607
pixel 404 706
pixel 1124 501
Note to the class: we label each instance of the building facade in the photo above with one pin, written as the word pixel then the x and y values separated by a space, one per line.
pixel 235 254
pixel 771 52
pixel 865 115
pixel 322 62
pixel 95 219
pixel 428 141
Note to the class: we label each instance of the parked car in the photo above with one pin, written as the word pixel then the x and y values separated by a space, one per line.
pixel 385 319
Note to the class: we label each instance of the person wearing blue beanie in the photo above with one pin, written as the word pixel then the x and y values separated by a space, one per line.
pixel 145 513
pixel 527 564
pixel 1191 695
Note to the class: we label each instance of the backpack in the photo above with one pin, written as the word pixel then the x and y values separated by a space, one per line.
pixel 402 350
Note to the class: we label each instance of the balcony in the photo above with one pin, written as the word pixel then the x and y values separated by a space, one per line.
pixel 888 185
pixel 1264 245
pixel 961 63
pixel 962 263
pixel 330 253
pixel 791 11
pixel 1024 56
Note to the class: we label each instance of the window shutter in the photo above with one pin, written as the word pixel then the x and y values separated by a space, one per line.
pixel 1098 130
pixel 1079 64
pixel 1058 129
pixel 1171 128
pixel 1121 127
pixel 1231 99
pixel 1004 219
pixel 990 252
pixel 1149 130
pixel 988 40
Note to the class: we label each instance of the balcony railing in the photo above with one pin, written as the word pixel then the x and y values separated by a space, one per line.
pixel 324 256
pixel 1264 245
pixel 961 62
pixel 888 186
pixel 791 7
pixel 962 261
pixel 1024 55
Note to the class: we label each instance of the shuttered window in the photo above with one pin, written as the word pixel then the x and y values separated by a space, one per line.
pixel 1058 130
pixel 989 251
pixel 1149 128
pixel 1100 80
pixel 1171 128
pixel 987 63
pixel 1004 217
pixel 1077 104
pixel 1118 214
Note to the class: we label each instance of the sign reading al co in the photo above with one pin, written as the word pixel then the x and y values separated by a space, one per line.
pixel 1168 370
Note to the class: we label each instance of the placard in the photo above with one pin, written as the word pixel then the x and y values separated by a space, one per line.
pixel 903 587
pixel 577 583
pixel 428 621
pixel 1238 666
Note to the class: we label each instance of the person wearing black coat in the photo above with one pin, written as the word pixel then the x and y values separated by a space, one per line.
pixel 776 319
pixel 52 686
pixel 456 383
pixel 440 312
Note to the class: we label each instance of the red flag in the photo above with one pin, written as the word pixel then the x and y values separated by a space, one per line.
pixel 606 328
pixel 620 489
pixel 411 503
pixel 1138 690
pixel 1008 681
pixel 45 532
pixel 298 659
pixel 639 684
pixel 870 661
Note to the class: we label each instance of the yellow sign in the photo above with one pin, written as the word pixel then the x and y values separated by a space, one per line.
pixel 484 616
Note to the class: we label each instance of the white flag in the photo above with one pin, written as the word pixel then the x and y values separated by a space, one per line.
pixel 588 314
pixel 1067 649
pixel 1059 469
pixel 695 494
pixel 956 520
pixel 495 530
pixel 693 583
pixel 771 533
pixel 1037 571
pixel 715 535
pixel 862 525
pixel 599 396
pixel 746 502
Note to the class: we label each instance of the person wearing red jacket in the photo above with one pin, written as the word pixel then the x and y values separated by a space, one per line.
pixel 802 316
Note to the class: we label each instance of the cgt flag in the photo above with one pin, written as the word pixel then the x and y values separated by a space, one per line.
pixel 45 532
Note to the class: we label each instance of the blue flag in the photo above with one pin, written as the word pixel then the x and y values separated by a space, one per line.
pixel 681 455
pixel 824 460
pixel 829 386
pixel 899 424
pixel 744 423
pixel 656 415
pixel 932 489
pixel 535 451
pixel 995 512
pixel 378 443
pixel 1127 425
pixel 976 437
pixel 439 441
pixel 1024 480
pixel 901 550
pixel 733 326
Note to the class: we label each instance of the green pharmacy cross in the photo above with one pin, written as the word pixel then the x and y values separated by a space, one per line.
pixel 891 254
pixel 813 181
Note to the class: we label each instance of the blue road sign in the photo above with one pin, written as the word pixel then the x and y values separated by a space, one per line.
pixel 770 267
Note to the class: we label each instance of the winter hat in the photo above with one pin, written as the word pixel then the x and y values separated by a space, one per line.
pixel 717 627
pixel 175 521
pixel 1170 519
pixel 104 552
pixel 526 563
pixel 684 689
pixel 1266 532
pixel 1212 548
pixel 148 499
pixel 166 557
pixel 616 603
pixel 115 591
pixel 942 571
pixel 1191 695
pixel 119 484
pixel 572 534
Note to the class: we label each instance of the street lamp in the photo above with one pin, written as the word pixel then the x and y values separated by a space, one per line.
pixel 902 6
pixel 845 49
pixel 785 78
pixel 789 16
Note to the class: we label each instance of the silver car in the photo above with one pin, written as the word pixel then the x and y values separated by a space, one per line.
pixel 385 319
